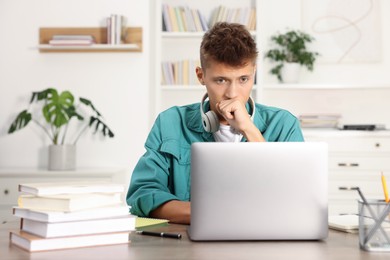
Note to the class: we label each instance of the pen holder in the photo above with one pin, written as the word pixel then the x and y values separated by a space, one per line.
pixel 374 225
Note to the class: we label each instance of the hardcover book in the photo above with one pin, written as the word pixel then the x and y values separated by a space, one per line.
pixel 68 202
pixel 59 216
pixel 34 243
pixel 75 228
pixel 69 188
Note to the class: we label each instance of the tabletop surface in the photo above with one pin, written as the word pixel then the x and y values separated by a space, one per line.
pixel 338 245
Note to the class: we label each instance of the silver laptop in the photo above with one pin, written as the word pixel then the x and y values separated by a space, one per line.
pixel 259 191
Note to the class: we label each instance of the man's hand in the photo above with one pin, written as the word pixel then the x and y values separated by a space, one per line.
pixel 175 211
pixel 236 115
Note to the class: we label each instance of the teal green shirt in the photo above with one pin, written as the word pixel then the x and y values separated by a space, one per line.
pixel 163 172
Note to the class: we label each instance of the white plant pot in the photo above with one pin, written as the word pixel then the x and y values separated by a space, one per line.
pixel 62 157
pixel 290 72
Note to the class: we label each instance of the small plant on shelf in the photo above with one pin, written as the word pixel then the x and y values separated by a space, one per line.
pixel 291 47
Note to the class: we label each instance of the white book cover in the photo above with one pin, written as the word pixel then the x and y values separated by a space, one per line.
pixel 70 42
pixel 34 243
pixel 167 21
pixel 73 37
pixel 54 188
pixel 75 228
pixel 68 202
pixel 347 223
pixel 60 216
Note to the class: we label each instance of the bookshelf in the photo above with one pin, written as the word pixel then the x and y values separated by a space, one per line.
pixel 132 41
pixel 179 46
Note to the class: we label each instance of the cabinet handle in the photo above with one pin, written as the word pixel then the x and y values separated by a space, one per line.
pixel 348 164
pixel 377 145
pixel 6 192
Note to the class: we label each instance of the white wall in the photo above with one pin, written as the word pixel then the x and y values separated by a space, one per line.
pixel 364 96
pixel 117 83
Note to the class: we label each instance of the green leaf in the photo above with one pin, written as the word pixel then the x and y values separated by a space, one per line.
pixel 22 120
pixel 59 109
pixel 106 131
pixel 89 103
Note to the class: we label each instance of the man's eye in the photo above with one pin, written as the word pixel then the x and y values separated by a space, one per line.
pixel 244 79
pixel 220 81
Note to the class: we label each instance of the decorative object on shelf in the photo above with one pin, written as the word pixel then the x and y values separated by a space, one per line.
pixel 290 53
pixel 58 109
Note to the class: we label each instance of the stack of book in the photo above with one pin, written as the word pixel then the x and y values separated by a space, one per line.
pixel 185 19
pixel 70 215
pixel 179 72
pixel 245 16
pixel 319 120
pixel 72 40
pixel 116 29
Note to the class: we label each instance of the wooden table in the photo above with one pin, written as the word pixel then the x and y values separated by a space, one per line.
pixel 338 245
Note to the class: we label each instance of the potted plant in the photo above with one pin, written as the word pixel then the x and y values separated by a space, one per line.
pixel 58 110
pixel 290 50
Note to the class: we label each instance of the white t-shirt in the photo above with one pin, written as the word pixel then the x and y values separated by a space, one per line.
pixel 226 133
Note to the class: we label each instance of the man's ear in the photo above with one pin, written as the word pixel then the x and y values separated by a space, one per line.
pixel 200 74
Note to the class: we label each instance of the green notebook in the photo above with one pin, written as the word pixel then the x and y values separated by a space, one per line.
pixel 147 222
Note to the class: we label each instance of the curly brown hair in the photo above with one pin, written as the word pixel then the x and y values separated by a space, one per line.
pixel 228 43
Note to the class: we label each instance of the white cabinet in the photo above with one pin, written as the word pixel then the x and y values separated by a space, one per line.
pixel 180 46
pixel 11 178
pixel 356 159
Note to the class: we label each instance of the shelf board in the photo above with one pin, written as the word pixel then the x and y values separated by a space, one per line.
pixel 317 86
pixel 132 39
pixel 174 35
pixel 333 132
pixel 90 48
pixel 187 87
pixel 182 87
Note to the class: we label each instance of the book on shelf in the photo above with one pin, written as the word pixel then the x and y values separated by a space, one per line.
pixel 53 188
pixel 116 27
pixel 60 216
pixel 68 202
pixel 167 23
pixel 82 227
pixel 319 120
pixel 34 243
pixel 73 37
pixel 185 19
pixel 179 72
pixel 182 19
pixel 71 42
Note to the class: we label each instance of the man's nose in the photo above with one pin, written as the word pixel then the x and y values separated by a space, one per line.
pixel 231 91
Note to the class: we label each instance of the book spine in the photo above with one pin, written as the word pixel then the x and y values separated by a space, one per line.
pixel 108 26
pixel 113 26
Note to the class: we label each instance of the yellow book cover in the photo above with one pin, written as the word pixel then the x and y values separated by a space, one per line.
pixel 147 222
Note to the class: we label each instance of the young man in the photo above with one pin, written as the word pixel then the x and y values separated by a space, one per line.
pixel 160 183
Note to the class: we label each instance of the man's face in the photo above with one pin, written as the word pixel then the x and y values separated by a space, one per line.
pixel 225 82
